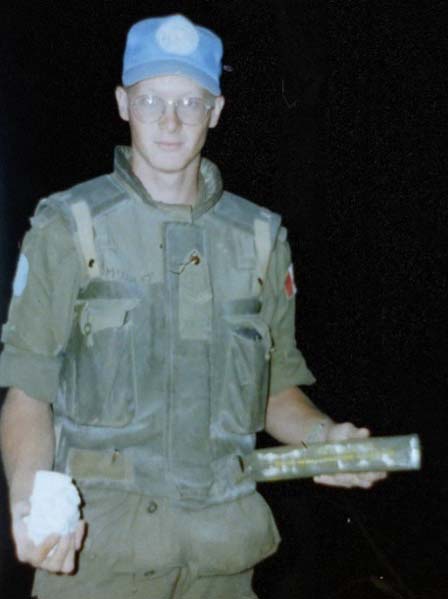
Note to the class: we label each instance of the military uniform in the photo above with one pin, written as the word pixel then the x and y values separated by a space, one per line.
pixel 157 332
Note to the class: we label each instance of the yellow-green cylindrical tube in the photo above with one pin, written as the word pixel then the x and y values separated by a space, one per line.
pixel 374 454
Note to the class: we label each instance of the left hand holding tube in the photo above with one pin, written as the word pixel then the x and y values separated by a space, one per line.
pixel 343 432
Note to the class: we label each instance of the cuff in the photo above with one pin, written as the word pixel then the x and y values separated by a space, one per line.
pixel 35 374
pixel 291 371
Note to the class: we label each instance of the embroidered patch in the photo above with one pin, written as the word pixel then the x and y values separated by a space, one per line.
pixel 290 285
pixel 21 277
pixel 178 36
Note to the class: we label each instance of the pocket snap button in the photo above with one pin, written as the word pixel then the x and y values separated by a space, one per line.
pixel 149 573
pixel 152 507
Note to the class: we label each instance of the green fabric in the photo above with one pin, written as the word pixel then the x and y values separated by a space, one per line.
pixel 99 583
pixel 144 546
pixel 32 363
pixel 169 338
pixel 147 405
pixel 210 186
pixel 288 366
pixel 40 319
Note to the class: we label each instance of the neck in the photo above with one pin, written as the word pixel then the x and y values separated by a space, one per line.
pixel 179 187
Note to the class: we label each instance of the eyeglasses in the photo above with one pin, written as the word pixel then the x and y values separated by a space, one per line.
pixel 191 111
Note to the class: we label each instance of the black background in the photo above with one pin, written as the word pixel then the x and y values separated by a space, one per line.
pixel 334 117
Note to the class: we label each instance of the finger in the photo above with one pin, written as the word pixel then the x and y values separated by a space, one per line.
pixel 79 534
pixel 56 559
pixel 342 432
pixel 361 433
pixel 37 554
pixel 347 481
pixel 347 430
pixel 375 476
pixel 331 480
pixel 69 563
pixel 363 479
pixel 363 482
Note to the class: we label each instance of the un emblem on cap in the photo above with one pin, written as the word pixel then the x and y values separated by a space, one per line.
pixel 173 45
pixel 177 36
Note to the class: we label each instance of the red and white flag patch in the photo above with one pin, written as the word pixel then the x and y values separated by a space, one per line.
pixel 290 285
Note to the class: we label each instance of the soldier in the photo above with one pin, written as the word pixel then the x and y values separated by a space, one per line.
pixel 150 336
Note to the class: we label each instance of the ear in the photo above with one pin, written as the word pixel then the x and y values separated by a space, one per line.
pixel 122 102
pixel 216 112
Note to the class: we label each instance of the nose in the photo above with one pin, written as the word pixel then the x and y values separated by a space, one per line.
pixel 169 119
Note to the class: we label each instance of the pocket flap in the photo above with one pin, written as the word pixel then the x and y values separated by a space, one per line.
pixel 252 328
pixel 99 314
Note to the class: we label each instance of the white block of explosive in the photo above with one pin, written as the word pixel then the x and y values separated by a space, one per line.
pixel 55 505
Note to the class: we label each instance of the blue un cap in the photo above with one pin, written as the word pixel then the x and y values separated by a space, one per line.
pixel 173 45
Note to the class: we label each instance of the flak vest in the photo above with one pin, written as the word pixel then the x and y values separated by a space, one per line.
pixel 165 375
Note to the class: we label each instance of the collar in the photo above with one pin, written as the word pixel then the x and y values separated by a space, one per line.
pixel 210 187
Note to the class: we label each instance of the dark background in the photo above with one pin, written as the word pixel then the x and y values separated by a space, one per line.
pixel 334 118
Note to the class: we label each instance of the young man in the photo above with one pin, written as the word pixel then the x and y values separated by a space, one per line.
pixel 152 329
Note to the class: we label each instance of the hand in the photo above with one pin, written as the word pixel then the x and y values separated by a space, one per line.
pixel 55 554
pixel 364 480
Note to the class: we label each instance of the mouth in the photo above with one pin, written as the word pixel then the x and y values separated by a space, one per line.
pixel 168 145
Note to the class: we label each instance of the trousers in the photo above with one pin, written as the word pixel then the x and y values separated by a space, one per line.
pixel 139 547
pixel 177 584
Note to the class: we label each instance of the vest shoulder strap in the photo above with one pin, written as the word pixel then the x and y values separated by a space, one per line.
pixel 78 207
pixel 262 223
pixel 85 237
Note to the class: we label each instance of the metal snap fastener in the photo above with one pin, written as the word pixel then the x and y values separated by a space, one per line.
pixel 152 507
pixel 241 463
pixel 195 259
pixel 149 573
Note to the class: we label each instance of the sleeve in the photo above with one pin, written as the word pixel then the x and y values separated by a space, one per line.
pixel 288 366
pixel 41 311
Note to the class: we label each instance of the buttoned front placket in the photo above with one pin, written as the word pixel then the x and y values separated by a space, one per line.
pixel 188 313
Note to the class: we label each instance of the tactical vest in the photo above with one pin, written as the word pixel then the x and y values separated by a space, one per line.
pixel 165 376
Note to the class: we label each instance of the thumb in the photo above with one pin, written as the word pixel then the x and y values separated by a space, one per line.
pixel 362 433
pixel 21 508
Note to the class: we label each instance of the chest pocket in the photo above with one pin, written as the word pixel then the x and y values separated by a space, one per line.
pixel 99 372
pixel 246 373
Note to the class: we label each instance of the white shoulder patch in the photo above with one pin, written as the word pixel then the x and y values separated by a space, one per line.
pixel 178 36
pixel 21 277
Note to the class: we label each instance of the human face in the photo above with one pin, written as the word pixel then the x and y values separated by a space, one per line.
pixel 167 145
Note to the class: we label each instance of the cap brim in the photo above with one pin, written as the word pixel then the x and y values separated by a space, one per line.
pixel 170 67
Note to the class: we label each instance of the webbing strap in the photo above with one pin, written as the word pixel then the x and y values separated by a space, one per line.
pixel 263 248
pixel 84 224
